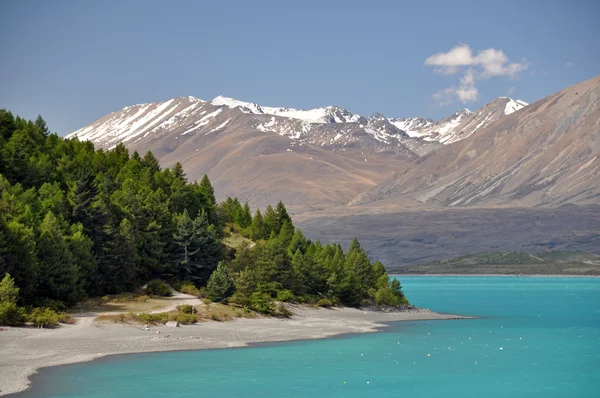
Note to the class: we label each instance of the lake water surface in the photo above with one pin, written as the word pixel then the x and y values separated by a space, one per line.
pixel 534 337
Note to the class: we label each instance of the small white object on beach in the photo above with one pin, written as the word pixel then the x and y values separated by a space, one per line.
pixel 368 382
pixel 501 348
pixel 520 338
pixel 361 355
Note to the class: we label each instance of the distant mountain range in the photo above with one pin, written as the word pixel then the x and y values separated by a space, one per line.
pixel 311 159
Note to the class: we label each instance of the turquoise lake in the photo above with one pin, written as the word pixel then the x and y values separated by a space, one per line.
pixel 534 337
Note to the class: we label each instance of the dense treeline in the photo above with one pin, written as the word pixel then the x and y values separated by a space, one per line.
pixel 78 222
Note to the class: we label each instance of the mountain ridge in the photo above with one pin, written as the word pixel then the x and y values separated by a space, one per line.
pixel 546 155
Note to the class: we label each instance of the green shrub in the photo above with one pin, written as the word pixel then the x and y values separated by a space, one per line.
pixel 283 311
pixel 189 288
pixel 44 317
pixel 185 308
pixel 11 314
pixel 261 302
pixel 185 319
pixel 54 305
pixel 325 303
pixel 142 299
pixel 64 317
pixel 153 319
pixel 158 288
pixel 285 295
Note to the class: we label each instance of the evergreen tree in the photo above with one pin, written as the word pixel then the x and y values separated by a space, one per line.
pixel 220 285
pixel 243 216
pixel 9 292
pixel 358 264
pixel 257 228
pixel 270 222
pixel 3 249
pixel 58 275
pixel 150 162
pixel 81 248
pixel 282 217
pixel 21 261
pixel 199 250
pixel 298 242
pixel 207 190
pixel 92 218
pixel 185 238
pixel 286 234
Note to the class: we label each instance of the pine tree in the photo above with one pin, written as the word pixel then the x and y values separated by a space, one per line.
pixel 199 248
pixel 358 264
pixel 244 217
pixel 93 218
pixel 41 126
pixel 81 247
pixel 207 190
pixel 286 234
pixel 298 242
pixel 21 262
pixel 150 162
pixel 220 285
pixel 257 228
pixel 3 249
pixel 282 217
pixel 58 275
pixel 185 238
pixel 178 173
pixel 9 292
pixel 270 222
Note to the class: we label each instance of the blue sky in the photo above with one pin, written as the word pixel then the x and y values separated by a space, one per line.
pixel 74 61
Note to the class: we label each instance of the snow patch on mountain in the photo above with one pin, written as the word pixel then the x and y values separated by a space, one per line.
pixel 513 106
pixel 328 114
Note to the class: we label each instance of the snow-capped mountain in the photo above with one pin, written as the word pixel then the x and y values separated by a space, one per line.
pixel 328 114
pixel 461 124
pixel 330 127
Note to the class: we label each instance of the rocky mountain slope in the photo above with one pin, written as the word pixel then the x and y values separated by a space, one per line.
pixel 547 154
pixel 461 125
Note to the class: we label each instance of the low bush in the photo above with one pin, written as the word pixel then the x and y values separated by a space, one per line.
pixel 189 288
pixel 283 311
pixel 11 314
pixel 153 319
pixel 142 299
pixel 44 317
pixel 286 296
pixel 185 308
pixel 54 305
pixel 63 317
pixel 158 288
pixel 185 319
pixel 261 302
pixel 325 303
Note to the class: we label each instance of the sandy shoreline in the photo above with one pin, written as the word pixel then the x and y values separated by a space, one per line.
pixel 24 350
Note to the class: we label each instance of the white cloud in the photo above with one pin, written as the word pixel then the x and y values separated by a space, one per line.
pixel 482 66
pixel 569 64
pixel 511 90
